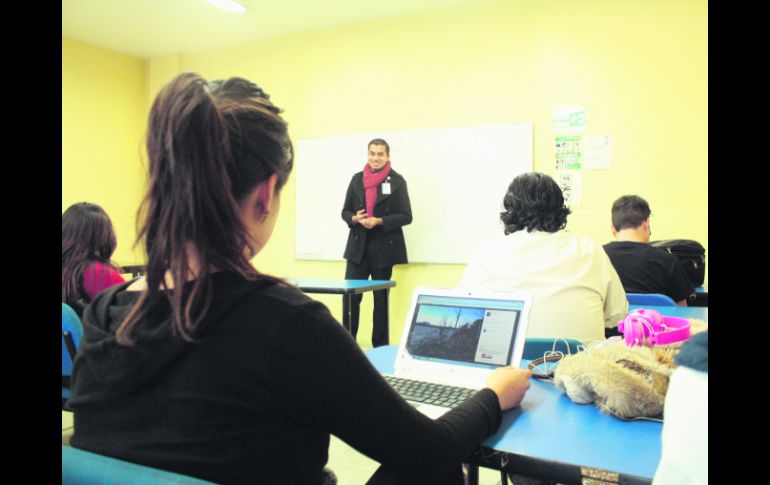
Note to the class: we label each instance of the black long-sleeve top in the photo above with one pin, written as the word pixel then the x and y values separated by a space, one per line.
pixel 256 398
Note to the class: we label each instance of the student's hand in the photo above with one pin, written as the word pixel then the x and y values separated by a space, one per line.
pixel 359 215
pixel 510 384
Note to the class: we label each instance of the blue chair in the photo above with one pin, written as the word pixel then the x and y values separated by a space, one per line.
pixel 535 347
pixel 71 334
pixel 83 467
pixel 652 299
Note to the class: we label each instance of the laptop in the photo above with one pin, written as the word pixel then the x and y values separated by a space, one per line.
pixel 456 338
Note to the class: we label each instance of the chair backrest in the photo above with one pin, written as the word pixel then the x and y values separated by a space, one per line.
pixel 72 330
pixel 71 333
pixel 654 299
pixel 83 467
pixel 535 347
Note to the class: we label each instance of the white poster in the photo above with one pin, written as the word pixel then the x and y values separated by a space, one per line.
pixel 571 186
pixel 597 152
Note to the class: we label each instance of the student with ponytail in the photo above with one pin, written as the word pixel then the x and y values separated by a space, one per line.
pixel 207 367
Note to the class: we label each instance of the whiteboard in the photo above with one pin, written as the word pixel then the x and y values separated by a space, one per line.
pixel 456 177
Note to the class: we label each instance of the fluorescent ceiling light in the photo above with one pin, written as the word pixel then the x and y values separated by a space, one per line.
pixel 229 5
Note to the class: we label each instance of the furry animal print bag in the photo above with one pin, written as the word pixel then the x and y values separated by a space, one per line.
pixel 627 382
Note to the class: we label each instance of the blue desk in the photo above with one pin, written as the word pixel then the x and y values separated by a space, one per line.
pixel 552 437
pixel 346 288
pixel 700 312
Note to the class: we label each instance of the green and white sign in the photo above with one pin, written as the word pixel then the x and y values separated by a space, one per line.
pixel 567 152
pixel 567 119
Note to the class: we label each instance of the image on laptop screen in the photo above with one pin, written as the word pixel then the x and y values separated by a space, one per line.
pixel 468 331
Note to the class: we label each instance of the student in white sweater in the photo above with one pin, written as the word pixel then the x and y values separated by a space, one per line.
pixel 577 293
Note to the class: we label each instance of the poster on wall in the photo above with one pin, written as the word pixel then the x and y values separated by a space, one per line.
pixel 571 187
pixel 567 152
pixel 598 152
pixel 568 119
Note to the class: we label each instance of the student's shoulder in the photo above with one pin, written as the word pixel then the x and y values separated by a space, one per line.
pixel 277 300
pixel 294 301
pixel 626 246
pixel 280 293
pixel 567 235
pixel 585 244
pixel 496 245
pixel 298 313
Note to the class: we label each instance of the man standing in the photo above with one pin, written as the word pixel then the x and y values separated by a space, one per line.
pixel 376 208
pixel 641 267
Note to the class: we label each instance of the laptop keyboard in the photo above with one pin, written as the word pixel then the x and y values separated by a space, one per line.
pixel 429 392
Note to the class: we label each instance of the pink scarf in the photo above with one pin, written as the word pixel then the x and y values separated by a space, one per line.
pixel 371 181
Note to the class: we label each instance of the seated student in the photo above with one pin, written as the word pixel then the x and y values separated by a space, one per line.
pixel 576 291
pixel 208 368
pixel 87 244
pixel 641 267
pixel 685 437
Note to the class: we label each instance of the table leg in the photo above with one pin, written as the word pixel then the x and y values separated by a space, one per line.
pixel 347 316
pixel 387 316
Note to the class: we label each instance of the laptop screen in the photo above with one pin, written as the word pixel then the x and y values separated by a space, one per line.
pixel 464 330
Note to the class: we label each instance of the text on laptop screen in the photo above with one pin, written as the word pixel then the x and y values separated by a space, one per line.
pixel 477 332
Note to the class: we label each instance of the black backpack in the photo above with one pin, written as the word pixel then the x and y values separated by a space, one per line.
pixel 690 253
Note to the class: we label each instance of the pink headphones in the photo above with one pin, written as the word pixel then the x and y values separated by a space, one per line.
pixel 643 326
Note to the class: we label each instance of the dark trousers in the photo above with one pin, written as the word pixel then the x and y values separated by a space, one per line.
pixel 380 314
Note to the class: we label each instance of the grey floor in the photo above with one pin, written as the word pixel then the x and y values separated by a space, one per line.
pixel 350 466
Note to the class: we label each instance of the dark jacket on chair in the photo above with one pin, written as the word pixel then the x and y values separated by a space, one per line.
pixel 395 211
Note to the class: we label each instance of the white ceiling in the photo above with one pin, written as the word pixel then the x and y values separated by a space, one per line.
pixel 148 28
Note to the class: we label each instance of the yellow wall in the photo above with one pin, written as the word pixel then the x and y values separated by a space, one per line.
pixel 640 69
pixel 103 124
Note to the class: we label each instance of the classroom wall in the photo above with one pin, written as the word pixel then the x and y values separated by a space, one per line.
pixel 639 68
pixel 103 124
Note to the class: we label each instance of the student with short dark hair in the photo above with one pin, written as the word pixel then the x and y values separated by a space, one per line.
pixel 87 244
pixel 641 267
pixel 209 368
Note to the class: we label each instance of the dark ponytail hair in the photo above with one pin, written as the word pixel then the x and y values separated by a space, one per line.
pixel 534 201
pixel 87 237
pixel 208 145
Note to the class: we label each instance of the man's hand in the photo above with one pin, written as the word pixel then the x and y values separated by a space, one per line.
pixel 359 215
pixel 371 222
